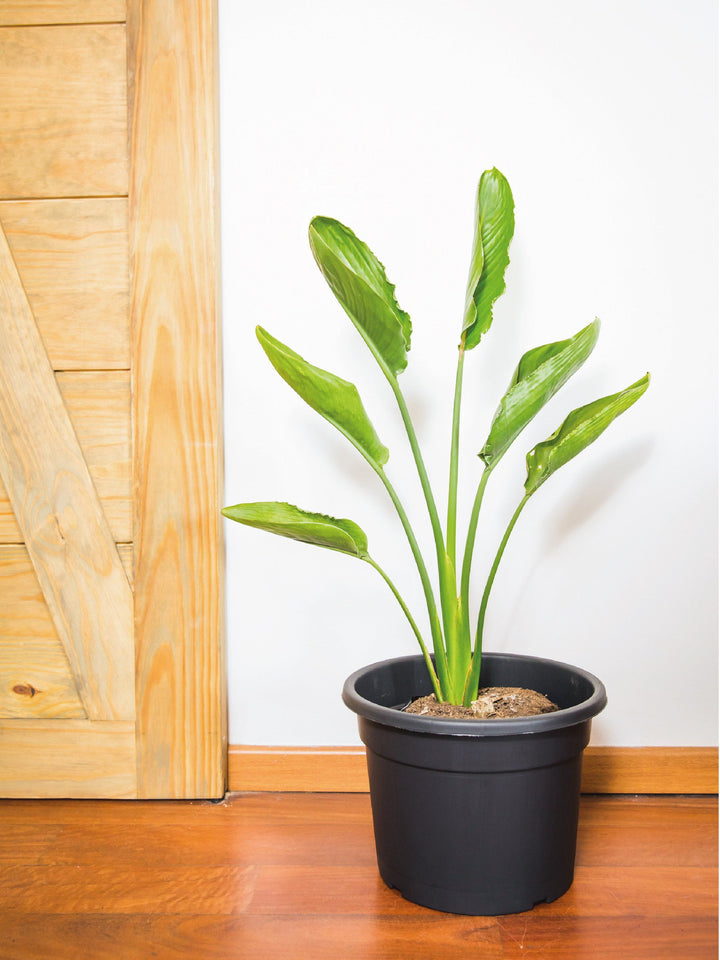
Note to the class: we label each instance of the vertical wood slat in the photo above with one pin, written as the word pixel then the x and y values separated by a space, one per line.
pixel 59 514
pixel 180 683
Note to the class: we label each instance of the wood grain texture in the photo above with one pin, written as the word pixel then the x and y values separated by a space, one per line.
pixel 293 876
pixel 651 770
pixel 63 111
pixel 365 937
pixel 605 769
pixel 59 514
pixel 19 12
pixel 620 837
pixel 60 758
pixel 208 890
pixel 35 676
pixel 98 405
pixel 316 769
pixel 72 257
pixel 36 681
pixel 177 442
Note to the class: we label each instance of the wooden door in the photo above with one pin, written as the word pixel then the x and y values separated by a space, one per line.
pixel 111 621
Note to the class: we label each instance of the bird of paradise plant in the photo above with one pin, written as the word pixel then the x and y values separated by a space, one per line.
pixel 360 284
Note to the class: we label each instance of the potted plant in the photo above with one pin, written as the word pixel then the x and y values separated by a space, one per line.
pixel 475 815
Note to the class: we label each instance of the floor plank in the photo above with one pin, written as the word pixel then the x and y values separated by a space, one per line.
pixel 292 876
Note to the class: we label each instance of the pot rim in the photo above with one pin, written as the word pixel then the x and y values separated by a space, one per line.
pixel 392 717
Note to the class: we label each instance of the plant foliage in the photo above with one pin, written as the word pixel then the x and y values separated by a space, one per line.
pixel 360 284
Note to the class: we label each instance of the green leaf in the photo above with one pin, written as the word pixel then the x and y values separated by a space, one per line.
pixel 333 398
pixel 538 377
pixel 494 226
pixel 578 431
pixel 289 521
pixel 358 280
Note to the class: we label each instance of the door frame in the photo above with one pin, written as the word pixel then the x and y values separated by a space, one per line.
pixel 181 699
pixel 162 646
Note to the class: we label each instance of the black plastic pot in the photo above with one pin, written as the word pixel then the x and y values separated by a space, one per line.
pixel 475 816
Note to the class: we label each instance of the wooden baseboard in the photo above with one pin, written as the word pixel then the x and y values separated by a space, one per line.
pixel 605 769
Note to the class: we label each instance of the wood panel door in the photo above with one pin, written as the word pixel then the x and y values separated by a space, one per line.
pixel 112 680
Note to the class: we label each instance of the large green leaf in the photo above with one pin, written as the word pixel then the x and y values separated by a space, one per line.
pixel 358 280
pixel 578 431
pixel 289 521
pixel 539 375
pixel 333 398
pixel 494 226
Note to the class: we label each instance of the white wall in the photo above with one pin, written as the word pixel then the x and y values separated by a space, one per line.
pixel 602 115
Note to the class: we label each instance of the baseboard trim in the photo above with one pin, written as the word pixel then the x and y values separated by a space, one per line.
pixel 342 769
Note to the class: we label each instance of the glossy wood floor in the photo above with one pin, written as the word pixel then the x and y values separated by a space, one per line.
pixel 292 876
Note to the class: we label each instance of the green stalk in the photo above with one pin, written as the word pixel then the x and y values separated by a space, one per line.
pixel 459 647
pixel 448 599
pixel 403 605
pixel 438 647
pixel 422 472
pixel 415 447
pixel 448 589
pixel 454 450
pixel 435 628
pixel 473 678
pixel 469 547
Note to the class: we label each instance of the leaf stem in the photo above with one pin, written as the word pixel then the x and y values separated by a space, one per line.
pixel 403 605
pixel 438 646
pixel 414 446
pixel 473 679
pixel 435 628
pixel 470 546
pixel 422 472
pixel 454 451
pixel 448 588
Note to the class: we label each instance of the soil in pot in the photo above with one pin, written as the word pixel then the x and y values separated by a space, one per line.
pixel 493 703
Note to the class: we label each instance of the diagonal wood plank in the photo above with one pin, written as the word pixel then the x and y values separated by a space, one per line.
pixel 35 676
pixel 72 257
pixel 98 403
pixel 59 513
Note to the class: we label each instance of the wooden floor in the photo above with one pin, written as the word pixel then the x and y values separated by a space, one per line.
pixel 264 876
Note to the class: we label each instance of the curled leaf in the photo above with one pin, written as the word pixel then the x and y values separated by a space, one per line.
pixel 578 431
pixel 335 399
pixel 539 375
pixel 288 521
pixel 494 227
pixel 358 280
